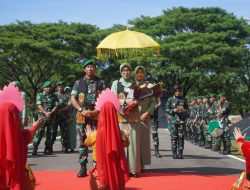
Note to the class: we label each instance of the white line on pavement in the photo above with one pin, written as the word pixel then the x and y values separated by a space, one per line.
pixel 234 157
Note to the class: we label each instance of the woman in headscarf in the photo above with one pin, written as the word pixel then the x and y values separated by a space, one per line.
pixel 146 108
pixel 13 148
pixel 243 183
pixel 108 141
pixel 124 89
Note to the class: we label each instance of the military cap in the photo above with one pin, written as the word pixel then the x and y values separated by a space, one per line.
pixel 212 95
pixel 123 65
pixel 46 84
pixel 89 62
pixel 194 98
pixel 221 95
pixel 60 82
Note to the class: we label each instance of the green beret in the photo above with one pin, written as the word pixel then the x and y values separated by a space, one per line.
pixel 221 94
pixel 194 98
pixel 89 62
pixel 123 65
pixel 207 96
pixel 213 96
pixel 60 82
pixel 47 84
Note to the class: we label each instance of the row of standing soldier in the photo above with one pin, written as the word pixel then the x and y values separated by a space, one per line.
pixel 204 110
pixel 192 123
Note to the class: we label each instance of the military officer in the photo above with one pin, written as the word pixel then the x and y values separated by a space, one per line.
pixel 47 103
pixel 83 97
pixel 177 109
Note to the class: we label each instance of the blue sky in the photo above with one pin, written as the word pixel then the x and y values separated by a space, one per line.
pixel 103 13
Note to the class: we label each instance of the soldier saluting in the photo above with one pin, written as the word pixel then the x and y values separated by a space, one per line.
pixel 83 97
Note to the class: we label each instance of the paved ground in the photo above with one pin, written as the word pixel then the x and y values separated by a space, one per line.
pixel 196 160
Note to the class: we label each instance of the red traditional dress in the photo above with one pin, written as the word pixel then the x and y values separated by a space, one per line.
pixel 112 171
pixel 13 150
pixel 243 183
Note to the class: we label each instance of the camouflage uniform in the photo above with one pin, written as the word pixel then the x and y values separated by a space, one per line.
pixel 86 92
pixel 48 101
pixel 62 120
pixel 177 125
pixel 225 137
pixel 207 135
pixel 200 126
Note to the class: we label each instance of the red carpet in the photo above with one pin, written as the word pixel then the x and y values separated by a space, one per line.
pixel 67 180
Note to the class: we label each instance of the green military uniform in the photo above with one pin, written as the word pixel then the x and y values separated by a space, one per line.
pixel 190 122
pixel 86 92
pixel 206 119
pixel 177 125
pixel 225 137
pixel 213 116
pixel 48 102
pixel 62 119
pixel 199 125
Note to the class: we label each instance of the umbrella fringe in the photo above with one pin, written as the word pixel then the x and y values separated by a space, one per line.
pixel 126 52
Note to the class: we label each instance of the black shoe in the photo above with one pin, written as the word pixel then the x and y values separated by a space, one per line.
pixel 135 175
pixel 157 154
pixel 48 150
pixel 225 152
pixel 45 150
pixel 208 146
pixel 34 150
pixel 175 156
pixel 72 150
pixel 180 156
pixel 66 151
pixel 82 173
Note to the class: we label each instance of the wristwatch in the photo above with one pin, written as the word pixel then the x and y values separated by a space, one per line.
pixel 80 110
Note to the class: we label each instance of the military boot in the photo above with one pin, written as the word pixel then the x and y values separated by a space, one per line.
pixel 180 154
pixel 50 150
pixel 157 154
pixel 83 171
pixel 175 155
pixel 216 148
pixel 35 147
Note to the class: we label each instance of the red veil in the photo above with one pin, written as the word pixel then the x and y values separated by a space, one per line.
pixel 12 147
pixel 110 156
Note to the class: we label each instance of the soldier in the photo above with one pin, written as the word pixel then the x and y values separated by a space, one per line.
pixel 47 103
pixel 199 122
pixel 190 123
pixel 223 113
pixel 206 117
pixel 83 96
pixel 177 109
pixel 155 126
pixel 61 116
pixel 23 114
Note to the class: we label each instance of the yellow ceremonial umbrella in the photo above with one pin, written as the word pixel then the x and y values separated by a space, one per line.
pixel 127 43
